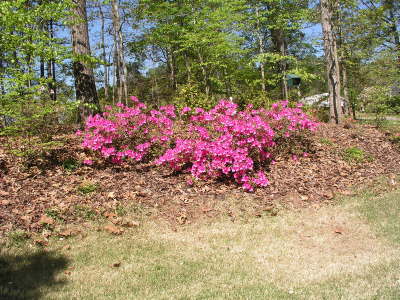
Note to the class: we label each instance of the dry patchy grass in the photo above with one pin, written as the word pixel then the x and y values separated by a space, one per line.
pixel 347 251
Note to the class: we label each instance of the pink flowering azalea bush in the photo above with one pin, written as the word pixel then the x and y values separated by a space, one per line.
pixel 125 133
pixel 223 142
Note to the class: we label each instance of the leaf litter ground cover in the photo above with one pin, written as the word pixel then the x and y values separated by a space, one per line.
pixel 51 198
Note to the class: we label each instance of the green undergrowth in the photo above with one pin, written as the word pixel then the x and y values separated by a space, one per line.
pixel 356 155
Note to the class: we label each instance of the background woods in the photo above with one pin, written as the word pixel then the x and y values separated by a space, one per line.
pixel 79 55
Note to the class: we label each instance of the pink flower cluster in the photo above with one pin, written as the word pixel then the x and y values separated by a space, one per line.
pixel 123 133
pixel 227 142
pixel 221 142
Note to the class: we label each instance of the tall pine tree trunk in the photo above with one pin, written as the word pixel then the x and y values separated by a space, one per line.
pixel 328 8
pixel 85 84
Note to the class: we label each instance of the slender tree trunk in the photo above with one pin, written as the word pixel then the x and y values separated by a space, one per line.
pixel 345 89
pixel 85 84
pixel 116 91
pixel 119 46
pixel 188 68
pixel 284 68
pixel 52 68
pixel 3 90
pixel 278 39
pixel 261 51
pixel 117 73
pixel 332 62
pixel 172 67
pixel 104 55
pixel 156 91
pixel 228 85
pixel 205 75
pixel 42 68
pixel 50 77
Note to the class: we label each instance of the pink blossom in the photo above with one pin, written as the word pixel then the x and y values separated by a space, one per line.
pixel 88 162
pixel 220 142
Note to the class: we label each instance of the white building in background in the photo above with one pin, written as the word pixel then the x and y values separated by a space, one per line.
pixel 316 100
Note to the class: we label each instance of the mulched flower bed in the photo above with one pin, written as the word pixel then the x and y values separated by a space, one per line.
pixel 48 188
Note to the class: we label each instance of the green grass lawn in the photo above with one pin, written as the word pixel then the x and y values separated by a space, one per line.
pixel 347 251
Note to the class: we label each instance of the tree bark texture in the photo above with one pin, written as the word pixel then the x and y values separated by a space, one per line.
pixel 328 8
pixel 85 84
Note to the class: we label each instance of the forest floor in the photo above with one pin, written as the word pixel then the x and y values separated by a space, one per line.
pixel 327 226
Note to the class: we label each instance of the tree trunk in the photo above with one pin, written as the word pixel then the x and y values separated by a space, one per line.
pixel 188 68
pixel 42 67
pixel 346 90
pixel 51 72
pixel 205 75
pixel 104 55
pixel 119 47
pixel 3 90
pixel 278 39
pixel 117 73
pixel 172 71
pixel 85 84
pixel 328 7
pixel 53 66
pixel 261 52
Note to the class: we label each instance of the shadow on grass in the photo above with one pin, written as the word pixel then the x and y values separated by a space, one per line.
pixel 23 276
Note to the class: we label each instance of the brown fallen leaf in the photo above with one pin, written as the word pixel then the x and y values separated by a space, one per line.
pixel 328 194
pixel 46 220
pixel 206 209
pixel 41 242
pixel 27 219
pixel 4 193
pixel 115 221
pixel 129 223
pixel 338 231
pixel 116 265
pixel 113 229
pixel 69 232
pixel 108 214
pixel 5 202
